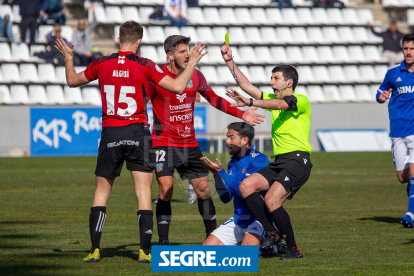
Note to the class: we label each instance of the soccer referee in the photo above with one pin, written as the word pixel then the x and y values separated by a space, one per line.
pixel 291 114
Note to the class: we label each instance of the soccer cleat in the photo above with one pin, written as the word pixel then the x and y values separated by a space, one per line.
pixel 271 238
pixel 93 257
pixel 407 221
pixel 292 253
pixel 143 258
pixel 281 248
pixel 192 196
pixel 164 242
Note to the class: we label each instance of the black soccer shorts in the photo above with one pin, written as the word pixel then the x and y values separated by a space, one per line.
pixel 185 160
pixel 131 143
pixel 292 170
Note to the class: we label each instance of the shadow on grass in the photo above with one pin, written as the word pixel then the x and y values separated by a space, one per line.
pixel 11 241
pixel 27 269
pixel 410 242
pixel 21 222
pixel 383 219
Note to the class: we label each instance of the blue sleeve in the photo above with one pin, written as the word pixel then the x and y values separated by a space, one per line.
pixel 259 162
pixel 43 5
pixel 60 6
pixel 222 189
pixel 385 85
pixel 229 181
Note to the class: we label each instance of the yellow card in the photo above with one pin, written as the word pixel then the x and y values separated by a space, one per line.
pixel 226 38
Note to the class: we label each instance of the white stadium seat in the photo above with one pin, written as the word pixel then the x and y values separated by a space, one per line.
pixel 315 35
pixel 28 72
pixel 10 72
pixel 306 74
pixel 259 15
pixel 219 33
pixel 410 17
pixel 237 35
pixel 100 14
pixel 18 94
pixel 162 56
pixel 130 13
pixel 60 74
pixel 37 94
pixel 365 16
pixel 195 15
pixel 43 31
pixel 149 52
pixel 21 52
pixel 73 95
pixel 268 34
pixel 91 96
pixel 289 16
pixel 331 93
pixel 368 73
pixel 247 55
pixel 363 93
pixel 67 32
pixel 224 75
pixel 337 74
pixel 320 16
pixel 310 54
pixel 144 13
pixel 211 16
pixel 191 32
pixel 325 54
pixel 46 73
pixel 252 35
pixel 350 16
pixel 321 74
pixel 214 55
pixel 4 94
pixel 55 95
pixel 243 16
pixel 245 70
pixel 227 16
pixel 209 73
pixel 380 71
pixel 335 16
pixel 360 34
pixel 315 94
pixel 347 93
pixel 341 54
pixel 372 53
pixel 346 35
pixel 207 34
pixel 258 75
pixel 330 34
pixel 284 35
pixel 171 30
pixel 304 16
pixel 356 54
pixel 263 54
pixel 352 73
pixel 294 54
pixel 155 34
pixel 300 89
pixel 279 54
pixel 273 16
pixel 300 35
pixel 36 49
pixel 5 53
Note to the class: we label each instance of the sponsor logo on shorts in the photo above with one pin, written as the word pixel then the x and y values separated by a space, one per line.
pixel 159 167
pixel 287 178
pixel 305 160
pixel 123 143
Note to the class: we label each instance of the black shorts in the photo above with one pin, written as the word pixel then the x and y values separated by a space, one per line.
pixel 131 143
pixel 185 160
pixel 292 170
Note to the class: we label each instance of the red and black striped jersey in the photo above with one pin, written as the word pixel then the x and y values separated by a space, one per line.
pixel 124 80
pixel 174 113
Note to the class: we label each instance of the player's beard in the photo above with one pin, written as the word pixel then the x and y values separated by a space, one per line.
pixel 234 150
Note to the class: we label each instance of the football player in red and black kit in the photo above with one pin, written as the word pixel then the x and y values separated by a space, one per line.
pixel 124 82
pixel 174 139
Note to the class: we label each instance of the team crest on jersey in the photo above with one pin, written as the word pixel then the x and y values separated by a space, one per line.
pixel 190 84
pixel 243 170
pixel 159 167
pixel 158 68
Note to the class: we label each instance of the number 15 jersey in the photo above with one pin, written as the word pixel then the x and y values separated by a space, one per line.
pixel 124 83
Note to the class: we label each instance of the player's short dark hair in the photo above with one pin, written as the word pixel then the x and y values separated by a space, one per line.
pixel 173 41
pixel 244 129
pixel 288 72
pixel 130 32
pixel 408 38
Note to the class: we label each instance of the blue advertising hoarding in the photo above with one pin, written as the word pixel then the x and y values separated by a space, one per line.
pixel 76 131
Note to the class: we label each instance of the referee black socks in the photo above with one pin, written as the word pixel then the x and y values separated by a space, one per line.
pixel 163 213
pixel 145 224
pixel 282 221
pixel 96 222
pixel 208 213
pixel 257 206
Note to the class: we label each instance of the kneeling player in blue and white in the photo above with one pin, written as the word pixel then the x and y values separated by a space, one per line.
pixel 399 83
pixel 242 228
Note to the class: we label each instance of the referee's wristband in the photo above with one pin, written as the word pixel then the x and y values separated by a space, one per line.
pixel 228 59
pixel 251 102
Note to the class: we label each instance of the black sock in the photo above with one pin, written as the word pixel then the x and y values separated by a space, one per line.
pixel 257 206
pixel 163 212
pixel 145 224
pixel 282 221
pixel 96 222
pixel 208 213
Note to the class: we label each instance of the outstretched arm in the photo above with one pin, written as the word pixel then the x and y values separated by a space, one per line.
pixel 72 78
pixel 223 105
pixel 265 104
pixel 241 79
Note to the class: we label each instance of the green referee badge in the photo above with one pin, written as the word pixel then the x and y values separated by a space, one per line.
pixel 226 38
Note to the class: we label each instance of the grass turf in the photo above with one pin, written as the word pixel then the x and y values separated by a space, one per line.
pixel 346 219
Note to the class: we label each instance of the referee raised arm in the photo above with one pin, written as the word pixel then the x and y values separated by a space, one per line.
pixel 291 114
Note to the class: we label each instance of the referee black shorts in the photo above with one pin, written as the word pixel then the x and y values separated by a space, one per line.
pixel 292 170
pixel 185 160
pixel 131 143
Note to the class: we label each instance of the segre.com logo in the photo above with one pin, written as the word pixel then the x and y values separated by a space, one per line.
pixel 197 258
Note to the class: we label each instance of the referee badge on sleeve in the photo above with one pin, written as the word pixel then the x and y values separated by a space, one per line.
pixel 159 167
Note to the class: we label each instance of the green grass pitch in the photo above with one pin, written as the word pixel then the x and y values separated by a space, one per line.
pixel 346 219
